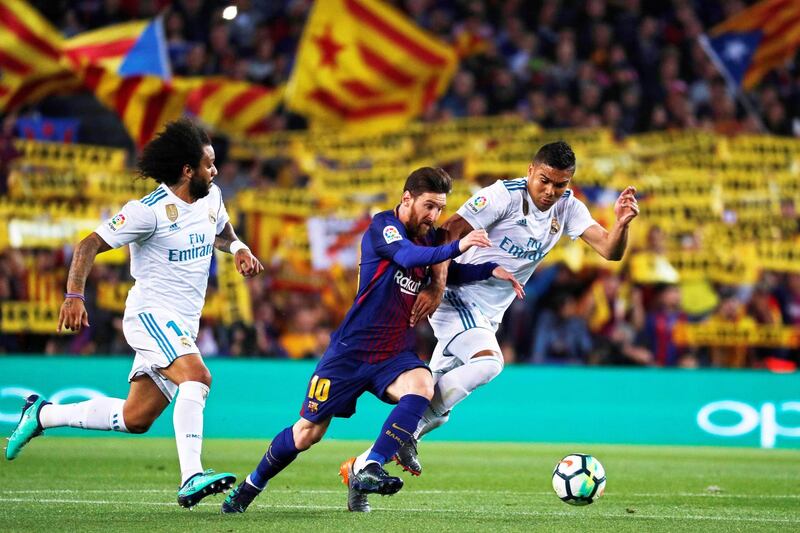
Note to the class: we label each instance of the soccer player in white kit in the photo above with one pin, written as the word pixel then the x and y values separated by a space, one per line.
pixel 524 218
pixel 172 233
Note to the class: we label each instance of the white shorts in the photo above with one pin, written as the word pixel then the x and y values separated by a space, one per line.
pixel 158 337
pixel 461 330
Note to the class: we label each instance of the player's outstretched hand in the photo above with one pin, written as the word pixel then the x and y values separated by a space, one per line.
pixel 72 315
pixel 476 237
pixel 247 264
pixel 502 273
pixel 626 208
pixel 426 303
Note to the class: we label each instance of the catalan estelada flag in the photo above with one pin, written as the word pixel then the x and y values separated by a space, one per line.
pixel 231 106
pixel 127 68
pixel 128 49
pixel 363 64
pixel 748 45
pixel 143 103
pixel 30 57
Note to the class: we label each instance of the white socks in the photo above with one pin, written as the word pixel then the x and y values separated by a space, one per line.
pixel 187 418
pixel 429 422
pixel 98 413
pixel 454 386
pixel 361 461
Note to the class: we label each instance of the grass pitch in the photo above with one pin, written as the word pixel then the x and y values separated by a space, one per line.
pixel 129 484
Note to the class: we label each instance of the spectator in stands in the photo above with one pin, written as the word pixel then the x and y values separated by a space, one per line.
pixel 562 335
pixel 730 313
pixel 660 322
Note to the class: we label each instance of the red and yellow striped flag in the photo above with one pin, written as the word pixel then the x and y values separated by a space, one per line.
pixel 104 47
pixel 146 103
pixel 362 63
pixel 143 103
pixel 757 40
pixel 30 57
pixel 230 106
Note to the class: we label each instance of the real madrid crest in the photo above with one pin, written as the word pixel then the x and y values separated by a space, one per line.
pixel 212 217
pixel 172 212
pixel 554 226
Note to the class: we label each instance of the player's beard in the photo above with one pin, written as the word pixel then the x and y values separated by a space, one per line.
pixel 198 187
pixel 417 228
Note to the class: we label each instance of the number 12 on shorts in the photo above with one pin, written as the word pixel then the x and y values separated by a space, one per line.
pixel 319 388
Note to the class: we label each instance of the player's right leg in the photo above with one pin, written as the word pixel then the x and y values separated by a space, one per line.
pixel 166 352
pixel 284 448
pixel 332 391
pixel 470 360
pixel 476 360
pixel 193 382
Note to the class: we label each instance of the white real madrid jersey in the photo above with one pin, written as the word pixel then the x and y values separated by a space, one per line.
pixel 171 244
pixel 519 240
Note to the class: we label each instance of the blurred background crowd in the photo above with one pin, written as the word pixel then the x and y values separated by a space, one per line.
pixel 628 65
pixel 623 66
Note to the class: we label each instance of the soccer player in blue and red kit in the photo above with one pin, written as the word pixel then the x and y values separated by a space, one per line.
pixel 373 348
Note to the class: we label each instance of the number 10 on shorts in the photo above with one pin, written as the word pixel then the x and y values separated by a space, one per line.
pixel 319 388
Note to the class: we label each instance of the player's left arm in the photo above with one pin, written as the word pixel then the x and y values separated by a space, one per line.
pixel 247 264
pixel 611 244
pixel 462 273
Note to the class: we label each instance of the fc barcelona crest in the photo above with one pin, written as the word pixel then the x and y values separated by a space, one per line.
pixel 554 226
pixel 172 212
pixel 212 217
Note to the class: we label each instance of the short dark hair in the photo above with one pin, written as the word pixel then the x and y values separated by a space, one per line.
pixel 558 155
pixel 428 179
pixel 180 143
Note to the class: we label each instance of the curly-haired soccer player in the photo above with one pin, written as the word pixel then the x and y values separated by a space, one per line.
pixel 172 233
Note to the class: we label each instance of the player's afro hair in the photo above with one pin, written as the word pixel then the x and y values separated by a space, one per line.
pixel 558 155
pixel 180 143
pixel 428 179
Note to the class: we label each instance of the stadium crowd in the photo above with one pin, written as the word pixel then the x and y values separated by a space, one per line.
pixel 593 316
pixel 629 65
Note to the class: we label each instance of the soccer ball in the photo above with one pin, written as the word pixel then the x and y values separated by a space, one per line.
pixel 579 479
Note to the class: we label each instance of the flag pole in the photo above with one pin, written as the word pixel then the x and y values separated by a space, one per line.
pixel 729 81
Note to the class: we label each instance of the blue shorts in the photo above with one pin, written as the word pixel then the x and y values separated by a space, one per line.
pixel 339 380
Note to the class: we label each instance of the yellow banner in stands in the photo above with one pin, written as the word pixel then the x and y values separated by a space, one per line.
pixel 235 302
pixel 111 296
pixel 29 317
pixel 80 184
pixel 58 155
pixel 716 334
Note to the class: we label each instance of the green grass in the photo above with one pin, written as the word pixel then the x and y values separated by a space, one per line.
pixel 106 484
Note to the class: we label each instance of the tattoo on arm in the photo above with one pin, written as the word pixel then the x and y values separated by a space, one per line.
pixel 223 241
pixel 82 262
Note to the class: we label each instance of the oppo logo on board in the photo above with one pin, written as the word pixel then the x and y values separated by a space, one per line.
pixel 748 418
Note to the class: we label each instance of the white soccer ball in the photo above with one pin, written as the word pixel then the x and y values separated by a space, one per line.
pixel 579 479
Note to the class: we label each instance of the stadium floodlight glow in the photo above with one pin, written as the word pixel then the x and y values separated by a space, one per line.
pixel 229 13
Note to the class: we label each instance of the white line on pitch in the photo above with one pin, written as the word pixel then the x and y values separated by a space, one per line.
pixel 501 512
pixel 423 492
